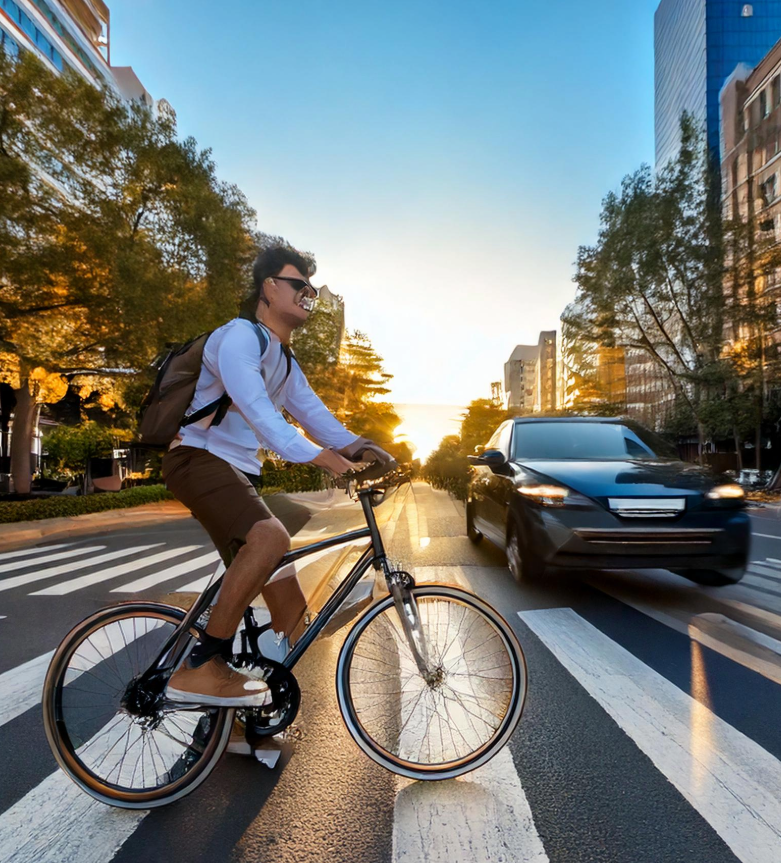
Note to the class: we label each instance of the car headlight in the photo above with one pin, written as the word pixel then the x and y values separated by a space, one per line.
pixel 547 495
pixel 730 491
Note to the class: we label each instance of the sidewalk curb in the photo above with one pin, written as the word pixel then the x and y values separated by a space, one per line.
pixel 22 533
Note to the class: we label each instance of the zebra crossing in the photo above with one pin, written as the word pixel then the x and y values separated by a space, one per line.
pixel 728 779
pixel 18 570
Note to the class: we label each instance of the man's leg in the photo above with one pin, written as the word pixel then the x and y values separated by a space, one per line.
pixel 266 543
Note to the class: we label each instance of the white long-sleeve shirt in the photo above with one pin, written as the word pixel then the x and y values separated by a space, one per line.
pixel 232 364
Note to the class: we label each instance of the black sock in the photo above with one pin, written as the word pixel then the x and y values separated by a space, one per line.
pixel 207 647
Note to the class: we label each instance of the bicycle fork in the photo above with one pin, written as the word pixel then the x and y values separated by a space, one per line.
pixel 400 584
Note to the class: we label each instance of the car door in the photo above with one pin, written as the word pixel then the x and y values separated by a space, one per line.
pixel 479 492
pixel 499 485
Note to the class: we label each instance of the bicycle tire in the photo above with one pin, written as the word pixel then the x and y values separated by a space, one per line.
pixel 59 735
pixel 395 761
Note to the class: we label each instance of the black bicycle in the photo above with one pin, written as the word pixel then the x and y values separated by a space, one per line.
pixel 431 681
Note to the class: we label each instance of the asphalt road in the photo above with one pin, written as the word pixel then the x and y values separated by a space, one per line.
pixel 650 732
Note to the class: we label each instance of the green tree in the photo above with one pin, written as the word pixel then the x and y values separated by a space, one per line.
pixel 653 282
pixel 69 448
pixel 481 419
pixel 115 238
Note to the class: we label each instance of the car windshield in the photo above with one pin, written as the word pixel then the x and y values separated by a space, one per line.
pixel 587 440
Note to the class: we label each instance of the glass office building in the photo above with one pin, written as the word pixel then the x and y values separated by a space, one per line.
pixel 697 45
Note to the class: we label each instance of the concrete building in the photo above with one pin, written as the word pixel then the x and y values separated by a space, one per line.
pixel 751 174
pixel 546 395
pixel 530 375
pixel 697 44
pixel 520 378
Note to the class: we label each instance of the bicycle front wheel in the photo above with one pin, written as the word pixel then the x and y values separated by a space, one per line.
pixel 455 718
pixel 121 744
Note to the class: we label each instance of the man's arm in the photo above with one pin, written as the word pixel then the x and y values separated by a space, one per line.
pixel 303 404
pixel 237 361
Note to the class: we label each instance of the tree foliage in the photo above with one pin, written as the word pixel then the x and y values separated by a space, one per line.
pixel 115 237
pixel 653 282
pixel 447 467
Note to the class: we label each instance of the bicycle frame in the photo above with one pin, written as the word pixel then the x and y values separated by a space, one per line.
pixel 374 555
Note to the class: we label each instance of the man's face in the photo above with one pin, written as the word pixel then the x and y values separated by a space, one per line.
pixel 290 295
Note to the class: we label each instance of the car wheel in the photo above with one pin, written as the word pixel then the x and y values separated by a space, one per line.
pixel 711 577
pixel 471 531
pixel 523 565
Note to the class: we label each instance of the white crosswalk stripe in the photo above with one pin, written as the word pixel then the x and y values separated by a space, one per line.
pixel 727 777
pixel 188 566
pixel 57 822
pixel 93 578
pixel 20 688
pixel 31 577
pixel 26 552
pixel 51 558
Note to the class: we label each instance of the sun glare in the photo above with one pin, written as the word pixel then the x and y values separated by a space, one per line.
pixel 424 426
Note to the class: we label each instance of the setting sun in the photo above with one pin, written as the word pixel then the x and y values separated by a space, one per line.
pixel 424 426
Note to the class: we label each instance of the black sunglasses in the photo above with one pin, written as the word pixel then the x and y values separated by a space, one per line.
pixel 299 285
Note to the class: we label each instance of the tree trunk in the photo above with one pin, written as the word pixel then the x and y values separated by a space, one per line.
pixel 738 452
pixel 22 438
pixel 758 447
pixel 700 442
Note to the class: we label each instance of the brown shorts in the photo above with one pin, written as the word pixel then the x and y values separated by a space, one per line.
pixel 218 494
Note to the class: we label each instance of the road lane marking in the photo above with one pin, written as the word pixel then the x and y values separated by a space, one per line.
pixel 764 572
pixel 484 815
pixel 727 777
pixel 28 578
pixel 38 561
pixel 57 822
pixel 20 688
pixel 184 568
pixel 9 555
pixel 766 535
pixel 756 583
pixel 65 587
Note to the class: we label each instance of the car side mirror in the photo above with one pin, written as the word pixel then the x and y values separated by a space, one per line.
pixel 492 458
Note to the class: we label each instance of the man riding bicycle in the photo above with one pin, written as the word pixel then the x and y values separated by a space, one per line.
pixel 209 465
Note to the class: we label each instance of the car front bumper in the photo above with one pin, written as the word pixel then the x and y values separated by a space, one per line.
pixel 701 540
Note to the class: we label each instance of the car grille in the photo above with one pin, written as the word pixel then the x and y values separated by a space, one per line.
pixel 663 537
pixel 653 507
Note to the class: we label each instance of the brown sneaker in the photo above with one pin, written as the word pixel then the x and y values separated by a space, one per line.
pixel 214 683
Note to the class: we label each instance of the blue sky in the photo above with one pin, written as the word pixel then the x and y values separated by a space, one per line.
pixel 442 160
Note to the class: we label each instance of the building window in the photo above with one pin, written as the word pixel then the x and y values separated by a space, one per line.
pixel 775 89
pixel 764 109
pixel 767 190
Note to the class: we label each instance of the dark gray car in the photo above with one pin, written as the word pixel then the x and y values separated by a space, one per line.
pixel 603 493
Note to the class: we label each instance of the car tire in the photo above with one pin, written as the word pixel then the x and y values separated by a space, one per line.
pixel 523 565
pixel 711 577
pixel 471 531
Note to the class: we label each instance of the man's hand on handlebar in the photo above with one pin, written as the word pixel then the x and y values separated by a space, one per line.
pixel 336 464
pixel 366 450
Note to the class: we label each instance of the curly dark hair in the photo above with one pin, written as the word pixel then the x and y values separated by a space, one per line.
pixel 269 262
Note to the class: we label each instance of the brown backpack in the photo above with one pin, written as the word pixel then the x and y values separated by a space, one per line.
pixel 164 410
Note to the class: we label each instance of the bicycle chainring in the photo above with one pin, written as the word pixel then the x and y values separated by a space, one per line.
pixel 285 702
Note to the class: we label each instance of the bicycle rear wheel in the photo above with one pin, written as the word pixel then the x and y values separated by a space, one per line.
pixel 126 747
pixel 458 718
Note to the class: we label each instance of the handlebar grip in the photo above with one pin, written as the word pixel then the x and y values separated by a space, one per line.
pixel 374 471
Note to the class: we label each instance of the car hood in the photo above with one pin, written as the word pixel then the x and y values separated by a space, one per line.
pixel 642 478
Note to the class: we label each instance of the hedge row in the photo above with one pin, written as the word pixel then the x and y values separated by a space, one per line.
pixel 288 477
pixel 61 506
pixel 65 505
